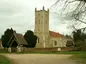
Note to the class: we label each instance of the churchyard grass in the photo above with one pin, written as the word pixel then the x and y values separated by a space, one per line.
pixel 4 60
pixel 62 52
pixel 80 57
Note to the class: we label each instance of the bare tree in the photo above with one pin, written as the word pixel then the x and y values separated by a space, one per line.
pixel 74 10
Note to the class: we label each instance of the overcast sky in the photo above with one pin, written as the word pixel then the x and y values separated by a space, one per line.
pixel 19 14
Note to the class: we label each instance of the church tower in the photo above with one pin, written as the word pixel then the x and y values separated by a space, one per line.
pixel 42 27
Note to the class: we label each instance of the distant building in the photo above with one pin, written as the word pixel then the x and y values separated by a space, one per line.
pixel 47 38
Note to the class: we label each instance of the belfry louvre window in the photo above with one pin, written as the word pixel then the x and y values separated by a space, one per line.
pixel 39 21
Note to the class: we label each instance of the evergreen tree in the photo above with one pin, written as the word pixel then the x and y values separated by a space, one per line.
pixel 5 38
pixel 30 38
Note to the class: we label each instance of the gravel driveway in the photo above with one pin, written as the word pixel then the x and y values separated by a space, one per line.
pixel 40 59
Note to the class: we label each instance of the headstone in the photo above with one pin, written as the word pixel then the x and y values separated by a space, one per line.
pixel 9 49
pixel 58 49
pixel 18 49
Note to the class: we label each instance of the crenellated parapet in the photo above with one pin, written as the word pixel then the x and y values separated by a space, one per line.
pixel 43 9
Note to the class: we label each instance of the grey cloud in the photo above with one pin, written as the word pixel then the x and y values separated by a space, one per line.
pixel 19 14
pixel 15 14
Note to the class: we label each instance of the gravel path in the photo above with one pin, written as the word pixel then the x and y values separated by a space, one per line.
pixel 40 59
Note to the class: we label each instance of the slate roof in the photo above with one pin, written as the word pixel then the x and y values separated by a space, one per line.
pixel 20 38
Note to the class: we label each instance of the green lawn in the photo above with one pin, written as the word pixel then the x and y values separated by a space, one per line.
pixel 80 57
pixel 67 52
pixel 4 60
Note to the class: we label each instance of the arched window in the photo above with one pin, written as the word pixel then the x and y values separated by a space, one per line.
pixel 55 43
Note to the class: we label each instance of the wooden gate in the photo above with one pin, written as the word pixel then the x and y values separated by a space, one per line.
pixel 13 49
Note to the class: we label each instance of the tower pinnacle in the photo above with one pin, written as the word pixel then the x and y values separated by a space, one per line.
pixel 43 7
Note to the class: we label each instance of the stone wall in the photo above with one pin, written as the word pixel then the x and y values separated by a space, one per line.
pixel 3 50
pixel 45 49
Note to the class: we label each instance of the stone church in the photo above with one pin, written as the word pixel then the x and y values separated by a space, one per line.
pixel 46 37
